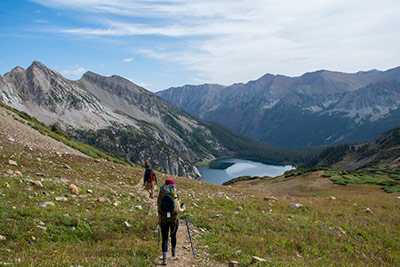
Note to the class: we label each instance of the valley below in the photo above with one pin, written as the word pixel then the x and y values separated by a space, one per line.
pixel 239 167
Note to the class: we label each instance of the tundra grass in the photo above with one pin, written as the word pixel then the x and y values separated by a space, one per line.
pixel 323 232
pixel 237 225
pixel 79 231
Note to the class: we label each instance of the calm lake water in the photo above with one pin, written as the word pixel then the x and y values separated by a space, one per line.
pixel 239 168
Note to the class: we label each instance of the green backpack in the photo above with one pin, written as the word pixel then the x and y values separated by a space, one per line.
pixel 168 205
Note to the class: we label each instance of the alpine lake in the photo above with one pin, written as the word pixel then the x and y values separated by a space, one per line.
pixel 222 170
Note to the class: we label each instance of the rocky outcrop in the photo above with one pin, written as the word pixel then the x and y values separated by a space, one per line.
pixel 114 114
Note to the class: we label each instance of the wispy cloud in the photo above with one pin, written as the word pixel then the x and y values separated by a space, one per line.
pixel 229 41
pixel 126 60
pixel 74 72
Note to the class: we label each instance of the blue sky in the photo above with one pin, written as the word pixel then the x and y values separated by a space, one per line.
pixel 164 43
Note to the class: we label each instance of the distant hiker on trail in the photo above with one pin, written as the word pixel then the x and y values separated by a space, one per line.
pixel 168 208
pixel 149 178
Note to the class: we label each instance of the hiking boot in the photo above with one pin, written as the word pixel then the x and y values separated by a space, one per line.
pixel 164 261
pixel 173 252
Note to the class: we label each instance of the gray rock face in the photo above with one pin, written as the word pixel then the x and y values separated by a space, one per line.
pixel 123 118
pixel 318 108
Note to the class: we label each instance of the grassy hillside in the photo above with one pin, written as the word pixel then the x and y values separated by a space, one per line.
pixel 382 151
pixel 77 229
pixel 352 225
pixel 234 224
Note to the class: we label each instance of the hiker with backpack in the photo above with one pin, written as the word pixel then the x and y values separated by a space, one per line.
pixel 149 178
pixel 168 208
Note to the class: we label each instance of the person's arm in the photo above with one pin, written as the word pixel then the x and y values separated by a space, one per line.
pixel 144 178
pixel 181 207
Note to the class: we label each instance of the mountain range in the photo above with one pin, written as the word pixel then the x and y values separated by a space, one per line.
pixel 318 108
pixel 123 118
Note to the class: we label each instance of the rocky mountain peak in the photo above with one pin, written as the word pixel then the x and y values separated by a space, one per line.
pixel 17 69
pixel 114 84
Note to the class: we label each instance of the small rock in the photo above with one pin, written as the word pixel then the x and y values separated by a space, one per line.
pixel 38 159
pixel 257 259
pixel 367 210
pixel 10 172
pixel 45 204
pixel 74 189
pixel 42 227
pixel 84 196
pixel 139 207
pixel 115 204
pixel 11 139
pixel 39 174
pixel 340 229
pixel 33 238
pixel 12 163
pixel 18 173
pixel 295 205
pixel 398 197
pixel 3 238
pixel 101 199
pixel 221 193
pixel 6 185
pixel 37 184
pixel 67 166
pixel 236 212
pixel 126 224
pixel 131 195
pixel 233 264
pixel 90 191
pixel 61 199
pixel 239 208
pixel 332 198
pixel 97 161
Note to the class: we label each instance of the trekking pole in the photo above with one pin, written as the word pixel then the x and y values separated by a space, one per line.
pixel 158 233
pixel 190 238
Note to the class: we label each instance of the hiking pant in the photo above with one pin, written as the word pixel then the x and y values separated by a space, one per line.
pixel 165 228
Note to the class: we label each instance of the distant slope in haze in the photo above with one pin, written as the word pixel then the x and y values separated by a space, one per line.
pixel 315 109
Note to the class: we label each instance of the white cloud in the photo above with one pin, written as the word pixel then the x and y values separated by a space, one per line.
pixel 126 60
pixel 74 72
pixel 229 41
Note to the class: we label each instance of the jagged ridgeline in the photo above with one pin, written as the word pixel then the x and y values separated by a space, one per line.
pixel 316 109
pixel 121 117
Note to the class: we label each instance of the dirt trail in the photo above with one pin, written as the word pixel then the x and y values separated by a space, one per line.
pixel 184 256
